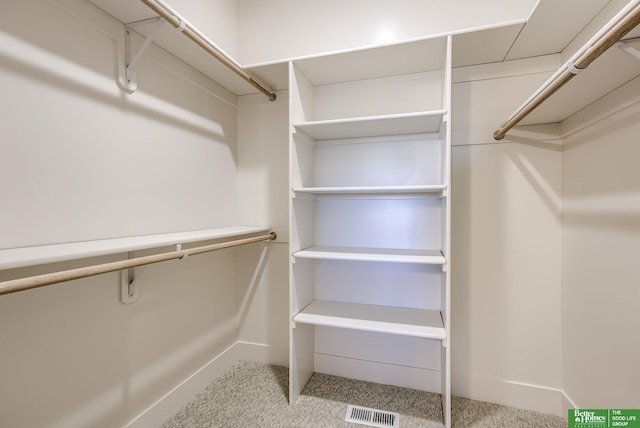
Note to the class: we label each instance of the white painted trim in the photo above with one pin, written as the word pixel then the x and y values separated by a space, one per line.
pixel 515 394
pixel 260 353
pixel 619 104
pixel 547 135
pixel 170 403
pixel 497 70
pixel 510 393
pixel 372 371
pixel 567 404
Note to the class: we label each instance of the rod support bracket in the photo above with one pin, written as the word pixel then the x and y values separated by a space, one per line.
pixel 185 254
pixel 572 68
pixel 622 45
pixel 129 290
pixel 130 58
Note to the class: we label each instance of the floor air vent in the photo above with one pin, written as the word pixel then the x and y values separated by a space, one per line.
pixel 372 417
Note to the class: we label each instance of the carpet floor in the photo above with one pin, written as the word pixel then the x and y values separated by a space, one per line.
pixel 255 395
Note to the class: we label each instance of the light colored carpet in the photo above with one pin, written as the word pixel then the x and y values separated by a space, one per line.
pixel 255 395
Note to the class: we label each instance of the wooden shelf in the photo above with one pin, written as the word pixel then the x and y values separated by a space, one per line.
pixel 30 256
pixel 372 190
pixel 395 124
pixel 430 257
pixel 381 319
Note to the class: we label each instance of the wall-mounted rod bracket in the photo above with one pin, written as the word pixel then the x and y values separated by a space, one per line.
pixel 628 49
pixel 181 24
pixel 131 59
pixel 129 291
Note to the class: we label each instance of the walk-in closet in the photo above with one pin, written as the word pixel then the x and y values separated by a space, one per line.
pixel 286 213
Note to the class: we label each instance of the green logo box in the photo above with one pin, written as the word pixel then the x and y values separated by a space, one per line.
pixel 604 418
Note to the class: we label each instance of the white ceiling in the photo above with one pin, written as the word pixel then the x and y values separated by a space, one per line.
pixel 552 26
pixel 125 11
pixel 549 29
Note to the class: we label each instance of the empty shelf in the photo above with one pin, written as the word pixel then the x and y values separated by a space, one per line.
pixel 30 256
pixel 431 257
pixel 381 319
pixel 371 190
pixel 395 124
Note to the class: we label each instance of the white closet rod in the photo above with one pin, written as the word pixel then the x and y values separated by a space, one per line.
pixel 175 19
pixel 612 32
pixel 30 282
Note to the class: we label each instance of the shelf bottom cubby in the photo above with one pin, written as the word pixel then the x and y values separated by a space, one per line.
pixel 425 323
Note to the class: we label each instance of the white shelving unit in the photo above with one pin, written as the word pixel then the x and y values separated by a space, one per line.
pixel 370 214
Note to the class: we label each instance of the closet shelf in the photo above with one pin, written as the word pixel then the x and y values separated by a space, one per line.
pixel 429 257
pixel 424 323
pixel 30 256
pixel 366 190
pixel 393 124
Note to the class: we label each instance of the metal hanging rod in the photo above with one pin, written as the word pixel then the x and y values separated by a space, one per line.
pixel 175 19
pixel 21 284
pixel 627 19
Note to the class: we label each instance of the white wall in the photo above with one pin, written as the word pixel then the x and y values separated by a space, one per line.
pixel 218 17
pixel 280 29
pixel 82 160
pixel 506 342
pixel 600 247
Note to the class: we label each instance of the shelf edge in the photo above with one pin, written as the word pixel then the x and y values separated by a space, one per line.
pixel 19 257
pixel 398 328
pixel 319 254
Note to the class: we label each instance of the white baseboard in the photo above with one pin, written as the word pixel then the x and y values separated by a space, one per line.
pixel 514 394
pixel 568 404
pixel 173 400
pixel 388 374
pixel 260 353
